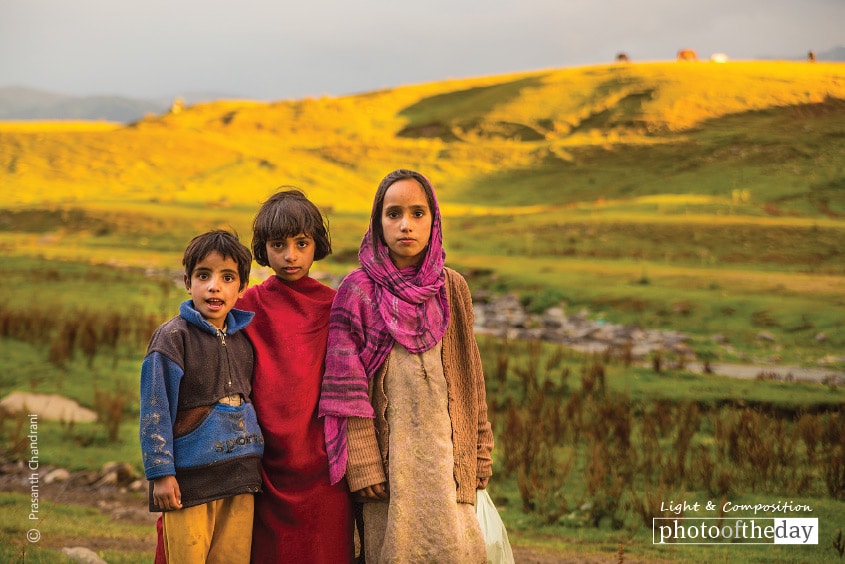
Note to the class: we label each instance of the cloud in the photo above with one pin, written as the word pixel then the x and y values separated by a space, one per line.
pixel 284 49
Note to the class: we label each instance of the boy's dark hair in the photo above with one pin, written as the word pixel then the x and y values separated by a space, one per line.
pixel 378 201
pixel 225 243
pixel 287 214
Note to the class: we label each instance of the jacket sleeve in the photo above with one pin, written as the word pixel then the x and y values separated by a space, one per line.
pixel 160 378
pixel 485 429
pixel 484 443
pixel 363 466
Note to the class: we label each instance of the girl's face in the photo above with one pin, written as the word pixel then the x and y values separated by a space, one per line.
pixel 291 258
pixel 406 222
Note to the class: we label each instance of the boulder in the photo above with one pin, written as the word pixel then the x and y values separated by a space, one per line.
pixel 82 555
pixel 52 407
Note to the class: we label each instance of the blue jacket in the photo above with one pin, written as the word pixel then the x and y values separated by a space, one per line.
pixel 213 449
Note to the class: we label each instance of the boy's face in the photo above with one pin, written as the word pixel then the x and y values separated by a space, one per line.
pixel 291 258
pixel 214 286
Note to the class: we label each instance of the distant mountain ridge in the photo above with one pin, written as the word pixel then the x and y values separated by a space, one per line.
pixel 23 103
pixel 834 55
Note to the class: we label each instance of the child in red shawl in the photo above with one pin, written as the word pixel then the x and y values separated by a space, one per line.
pixel 403 394
pixel 300 516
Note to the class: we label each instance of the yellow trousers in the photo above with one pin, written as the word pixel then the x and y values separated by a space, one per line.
pixel 219 531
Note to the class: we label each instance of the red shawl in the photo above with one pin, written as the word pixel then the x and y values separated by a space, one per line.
pixel 299 517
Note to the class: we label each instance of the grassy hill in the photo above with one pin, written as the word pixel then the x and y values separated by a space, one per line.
pixel 637 190
pixel 553 137
pixel 703 197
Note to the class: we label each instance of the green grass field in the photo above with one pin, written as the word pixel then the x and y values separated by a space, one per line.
pixel 704 198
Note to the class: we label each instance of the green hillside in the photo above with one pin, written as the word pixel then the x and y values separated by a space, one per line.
pixel 554 137
pixel 700 197
pixel 624 188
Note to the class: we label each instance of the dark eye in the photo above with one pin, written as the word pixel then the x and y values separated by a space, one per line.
pixel 229 277
pixel 202 276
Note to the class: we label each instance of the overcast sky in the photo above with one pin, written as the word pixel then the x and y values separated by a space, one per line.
pixel 279 49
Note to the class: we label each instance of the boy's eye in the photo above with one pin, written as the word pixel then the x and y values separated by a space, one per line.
pixel 277 244
pixel 302 244
pixel 202 275
pixel 229 277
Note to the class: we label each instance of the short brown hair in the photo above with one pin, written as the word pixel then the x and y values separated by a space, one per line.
pixel 224 242
pixel 287 214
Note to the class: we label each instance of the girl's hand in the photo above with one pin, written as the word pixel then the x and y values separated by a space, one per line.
pixel 376 492
pixel 481 483
pixel 166 493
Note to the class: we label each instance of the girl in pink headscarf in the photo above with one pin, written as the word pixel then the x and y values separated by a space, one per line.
pixel 403 395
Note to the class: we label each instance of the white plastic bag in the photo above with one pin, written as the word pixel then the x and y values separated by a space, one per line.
pixel 495 535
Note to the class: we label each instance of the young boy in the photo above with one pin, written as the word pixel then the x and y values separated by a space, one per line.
pixel 200 438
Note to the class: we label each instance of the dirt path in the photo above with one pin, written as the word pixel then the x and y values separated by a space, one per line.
pixel 774 372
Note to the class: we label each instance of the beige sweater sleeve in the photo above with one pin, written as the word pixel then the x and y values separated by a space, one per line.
pixel 363 465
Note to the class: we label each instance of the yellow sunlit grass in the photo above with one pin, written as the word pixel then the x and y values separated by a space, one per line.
pixel 238 151
pixel 624 271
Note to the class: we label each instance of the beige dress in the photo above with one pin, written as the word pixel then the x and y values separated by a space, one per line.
pixel 422 521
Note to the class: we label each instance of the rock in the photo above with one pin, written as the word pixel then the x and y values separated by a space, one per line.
pixel 83 555
pixel 115 474
pixel 554 318
pixel 138 486
pixel 821 338
pixel 684 351
pixel 107 479
pixel 56 475
pixel 123 470
pixel 765 336
pixel 642 350
pixel 505 316
pixel 52 407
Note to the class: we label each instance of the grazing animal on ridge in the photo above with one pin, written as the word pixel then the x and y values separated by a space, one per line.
pixel 687 55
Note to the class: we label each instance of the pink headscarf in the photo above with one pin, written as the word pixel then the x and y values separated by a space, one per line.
pixel 376 306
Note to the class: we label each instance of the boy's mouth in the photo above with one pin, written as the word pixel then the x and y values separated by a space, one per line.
pixel 214 303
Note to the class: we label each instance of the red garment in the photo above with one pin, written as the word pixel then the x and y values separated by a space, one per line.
pixel 161 556
pixel 300 516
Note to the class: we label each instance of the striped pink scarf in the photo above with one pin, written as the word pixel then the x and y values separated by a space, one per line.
pixel 376 306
